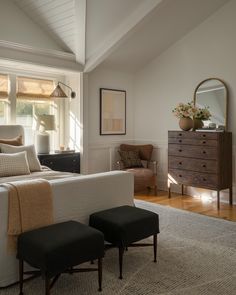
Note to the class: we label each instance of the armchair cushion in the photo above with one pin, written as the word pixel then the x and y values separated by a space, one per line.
pixel 130 159
pixel 145 151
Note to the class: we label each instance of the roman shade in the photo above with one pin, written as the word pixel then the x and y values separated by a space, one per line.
pixel 4 86
pixel 31 88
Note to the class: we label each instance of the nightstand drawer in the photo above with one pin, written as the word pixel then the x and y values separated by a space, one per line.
pixel 62 162
pixel 198 152
pixel 191 178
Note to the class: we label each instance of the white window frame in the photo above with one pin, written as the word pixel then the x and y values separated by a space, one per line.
pixel 61 104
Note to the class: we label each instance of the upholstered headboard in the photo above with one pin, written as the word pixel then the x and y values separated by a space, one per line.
pixel 11 131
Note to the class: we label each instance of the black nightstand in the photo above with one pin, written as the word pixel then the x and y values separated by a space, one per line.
pixel 67 162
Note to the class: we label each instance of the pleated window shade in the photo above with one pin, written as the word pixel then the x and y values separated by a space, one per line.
pixel 31 88
pixel 4 86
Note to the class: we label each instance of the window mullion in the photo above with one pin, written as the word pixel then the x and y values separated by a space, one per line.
pixel 12 98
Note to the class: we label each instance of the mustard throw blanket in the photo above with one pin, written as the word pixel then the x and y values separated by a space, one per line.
pixel 30 206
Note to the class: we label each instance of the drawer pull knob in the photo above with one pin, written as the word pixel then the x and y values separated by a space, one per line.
pixel 180 163
pixel 180 134
pixel 204 179
pixel 51 163
pixel 204 165
pixel 204 135
pixel 204 152
pixel 180 140
pixel 180 175
pixel 74 160
pixel 204 142
pixel 180 150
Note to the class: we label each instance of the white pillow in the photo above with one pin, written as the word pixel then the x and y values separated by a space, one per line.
pixel 32 158
pixel 13 164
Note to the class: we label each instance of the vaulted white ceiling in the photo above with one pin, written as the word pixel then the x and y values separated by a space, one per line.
pixel 167 23
pixel 121 34
pixel 103 17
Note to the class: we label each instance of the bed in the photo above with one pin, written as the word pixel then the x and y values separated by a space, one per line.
pixel 74 197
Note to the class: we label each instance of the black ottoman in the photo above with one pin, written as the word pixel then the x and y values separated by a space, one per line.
pixel 58 248
pixel 122 226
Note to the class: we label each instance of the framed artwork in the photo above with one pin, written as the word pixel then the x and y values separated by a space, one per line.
pixel 112 112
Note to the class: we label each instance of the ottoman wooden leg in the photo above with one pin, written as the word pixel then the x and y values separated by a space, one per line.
pixel 21 274
pixel 47 286
pixel 121 253
pixel 155 247
pixel 100 274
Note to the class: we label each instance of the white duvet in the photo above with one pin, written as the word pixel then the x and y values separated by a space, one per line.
pixel 75 197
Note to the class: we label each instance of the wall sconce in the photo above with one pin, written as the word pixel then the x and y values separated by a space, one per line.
pixel 58 92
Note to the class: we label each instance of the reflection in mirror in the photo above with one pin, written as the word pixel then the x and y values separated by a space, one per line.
pixel 213 93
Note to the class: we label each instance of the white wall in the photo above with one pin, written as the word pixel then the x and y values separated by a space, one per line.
pixel 102 148
pixel 17 27
pixel 103 18
pixel 207 51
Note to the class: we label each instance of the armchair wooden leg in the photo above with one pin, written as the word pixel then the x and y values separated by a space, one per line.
pixel 155 190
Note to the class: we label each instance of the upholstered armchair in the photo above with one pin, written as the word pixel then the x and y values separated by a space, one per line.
pixel 137 160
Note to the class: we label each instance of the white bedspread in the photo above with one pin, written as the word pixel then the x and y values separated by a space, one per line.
pixel 75 197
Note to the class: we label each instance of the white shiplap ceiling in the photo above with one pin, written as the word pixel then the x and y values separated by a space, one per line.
pixel 56 17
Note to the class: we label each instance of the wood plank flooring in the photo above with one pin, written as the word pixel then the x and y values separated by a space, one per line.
pixel 192 204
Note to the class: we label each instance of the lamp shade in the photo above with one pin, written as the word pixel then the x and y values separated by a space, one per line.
pixel 46 122
pixel 58 92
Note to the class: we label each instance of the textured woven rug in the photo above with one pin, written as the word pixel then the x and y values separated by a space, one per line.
pixel 196 255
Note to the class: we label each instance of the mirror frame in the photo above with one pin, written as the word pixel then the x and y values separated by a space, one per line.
pixel 226 97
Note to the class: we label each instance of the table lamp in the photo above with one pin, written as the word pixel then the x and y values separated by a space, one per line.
pixel 44 123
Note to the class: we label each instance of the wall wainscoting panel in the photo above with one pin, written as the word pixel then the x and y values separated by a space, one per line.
pixel 103 157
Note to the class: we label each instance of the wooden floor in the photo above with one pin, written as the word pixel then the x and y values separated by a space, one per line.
pixel 193 204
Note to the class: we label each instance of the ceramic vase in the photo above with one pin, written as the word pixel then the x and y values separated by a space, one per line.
pixel 197 123
pixel 186 124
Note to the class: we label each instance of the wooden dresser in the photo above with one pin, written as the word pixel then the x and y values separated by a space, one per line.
pixel 200 159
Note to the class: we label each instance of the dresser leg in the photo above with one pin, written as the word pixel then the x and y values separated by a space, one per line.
pixel 218 200
pixel 169 192
pixel 182 189
pixel 231 196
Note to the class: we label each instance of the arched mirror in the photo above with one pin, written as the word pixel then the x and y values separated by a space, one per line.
pixel 213 94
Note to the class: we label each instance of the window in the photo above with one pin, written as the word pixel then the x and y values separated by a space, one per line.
pixel 4 92
pixel 3 115
pixel 33 99
pixel 23 98
pixel 27 112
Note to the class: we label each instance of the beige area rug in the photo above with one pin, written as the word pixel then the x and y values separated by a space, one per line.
pixel 196 255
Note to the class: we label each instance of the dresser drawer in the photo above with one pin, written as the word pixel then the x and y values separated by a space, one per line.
pixel 193 141
pixel 198 152
pixel 199 165
pixel 194 135
pixel 191 178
